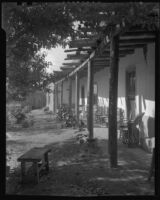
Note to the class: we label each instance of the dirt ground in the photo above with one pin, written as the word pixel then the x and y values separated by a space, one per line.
pixel 77 169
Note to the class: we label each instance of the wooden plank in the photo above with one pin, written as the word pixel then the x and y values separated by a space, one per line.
pixel 132 45
pixel 70 93
pixel 54 97
pixel 126 51
pixel 67 68
pixel 82 43
pixel 34 154
pixel 56 72
pixel 136 41
pixel 76 57
pixel 101 59
pixel 113 90
pixel 77 96
pixel 61 93
pixel 57 96
pixel 82 65
pixel 70 64
pixel 101 62
pixel 122 37
pixel 90 100
pixel 77 50
pixel 139 33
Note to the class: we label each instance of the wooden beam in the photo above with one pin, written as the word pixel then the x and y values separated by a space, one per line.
pixel 70 94
pixel 100 62
pixel 100 59
pixel 90 100
pixel 136 41
pixel 61 93
pixel 138 33
pixel 80 67
pixel 82 43
pixel 77 50
pixel 77 96
pixel 66 67
pixel 54 98
pixel 56 72
pixel 137 37
pixel 113 89
pixel 73 63
pixel 76 57
pixel 132 45
pixel 100 66
pixel 126 51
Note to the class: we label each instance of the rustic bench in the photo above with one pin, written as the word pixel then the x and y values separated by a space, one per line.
pixel 34 155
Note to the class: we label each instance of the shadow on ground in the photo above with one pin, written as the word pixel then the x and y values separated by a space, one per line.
pixel 83 170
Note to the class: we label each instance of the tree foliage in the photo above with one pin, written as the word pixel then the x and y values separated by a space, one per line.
pixel 29 28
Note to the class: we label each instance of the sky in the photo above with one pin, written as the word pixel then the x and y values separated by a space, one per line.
pixel 56 56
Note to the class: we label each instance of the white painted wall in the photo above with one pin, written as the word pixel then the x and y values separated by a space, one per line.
pixel 65 92
pixel 50 103
pixel 145 85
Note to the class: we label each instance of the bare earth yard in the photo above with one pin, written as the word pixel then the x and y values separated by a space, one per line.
pixel 77 169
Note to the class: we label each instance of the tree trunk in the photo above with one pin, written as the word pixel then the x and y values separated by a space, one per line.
pixel 113 88
pixel 77 97
pixel 90 100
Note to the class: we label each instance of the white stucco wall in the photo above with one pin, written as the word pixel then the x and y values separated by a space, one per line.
pixel 145 85
pixel 145 82
pixel 50 103
pixel 145 79
pixel 65 92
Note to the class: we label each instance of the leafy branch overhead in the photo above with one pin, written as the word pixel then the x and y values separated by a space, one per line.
pixel 49 24
pixel 45 25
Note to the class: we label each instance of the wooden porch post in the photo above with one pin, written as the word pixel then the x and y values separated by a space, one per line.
pixel 113 88
pixel 57 96
pixel 54 93
pixel 61 93
pixel 70 94
pixel 90 100
pixel 77 97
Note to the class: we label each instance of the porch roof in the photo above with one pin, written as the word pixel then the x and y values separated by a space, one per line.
pixel 100 55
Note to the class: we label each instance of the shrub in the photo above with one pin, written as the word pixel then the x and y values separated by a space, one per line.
pixel 46 109
pixel 20 117
pixel 25 124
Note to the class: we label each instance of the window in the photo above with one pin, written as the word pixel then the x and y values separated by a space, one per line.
pixel 82 95
pixel 95 94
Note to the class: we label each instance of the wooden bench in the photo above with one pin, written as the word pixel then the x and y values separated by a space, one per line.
pixel 34 155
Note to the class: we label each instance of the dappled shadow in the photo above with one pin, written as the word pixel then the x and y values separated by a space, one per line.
pixel 82 170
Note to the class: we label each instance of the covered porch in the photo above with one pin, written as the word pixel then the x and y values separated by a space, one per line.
pixel 78 86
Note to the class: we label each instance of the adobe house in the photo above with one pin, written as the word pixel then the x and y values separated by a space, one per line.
pixel 117 72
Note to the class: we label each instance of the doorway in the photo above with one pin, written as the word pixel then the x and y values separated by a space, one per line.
pixel 130 94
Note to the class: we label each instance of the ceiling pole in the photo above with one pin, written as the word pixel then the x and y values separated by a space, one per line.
pixel 61 93
pixel 90 100
pixel 77 97
pixel 70 94
pixel 113 90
